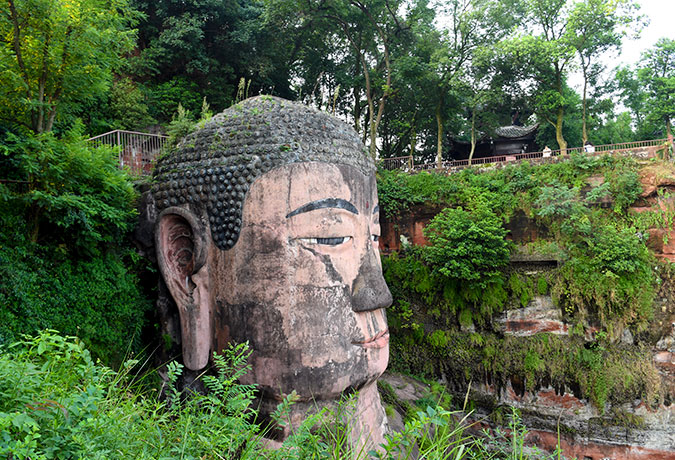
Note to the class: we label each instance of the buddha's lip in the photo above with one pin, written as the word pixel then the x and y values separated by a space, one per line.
pixel 380 340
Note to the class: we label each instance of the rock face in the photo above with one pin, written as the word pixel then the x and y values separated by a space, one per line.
pixel 409 227
pixel 657 187
pixel 540 315
pixel 633 430
pixel 556 417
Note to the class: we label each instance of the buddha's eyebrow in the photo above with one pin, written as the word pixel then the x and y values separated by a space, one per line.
pixel 337 203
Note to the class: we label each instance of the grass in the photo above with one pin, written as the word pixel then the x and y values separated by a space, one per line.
pixel 56 402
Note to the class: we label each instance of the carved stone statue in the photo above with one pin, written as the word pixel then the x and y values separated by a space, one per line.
pixel 267 232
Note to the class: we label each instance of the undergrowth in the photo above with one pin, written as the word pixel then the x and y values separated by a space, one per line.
pixel 607 276
pixel 57 403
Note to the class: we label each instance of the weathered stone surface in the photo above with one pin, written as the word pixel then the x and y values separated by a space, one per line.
pixel 627 337
pixel 555 416
pixel 540 315
pixel 583 431
pixel 523 229
pixel 406 388
pixel 652 178
pixel 409 225
pixel 667 342
pixel 267 233
pixel 214 166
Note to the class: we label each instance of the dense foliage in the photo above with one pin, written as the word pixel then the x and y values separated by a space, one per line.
pixel 55 402
pixel 64 192
pixel 425 78
pixel 66 209
pixel 467 246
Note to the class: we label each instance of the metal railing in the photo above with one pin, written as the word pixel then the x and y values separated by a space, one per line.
pixel 137 151
pixel 407 163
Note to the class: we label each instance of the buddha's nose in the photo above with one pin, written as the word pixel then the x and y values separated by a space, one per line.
pixel 369 290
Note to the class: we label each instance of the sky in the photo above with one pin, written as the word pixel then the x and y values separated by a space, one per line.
pixel 661 17
pixel 661 14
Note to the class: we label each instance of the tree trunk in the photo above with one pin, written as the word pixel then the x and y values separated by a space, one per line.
pixel 473 135
pixel 439 138
pixel 584 131
pixel 562 143
pixel 373 140
pixel 670 148
pixel 413 141
pixel 365 132
pixel 50 120
pixel 357 110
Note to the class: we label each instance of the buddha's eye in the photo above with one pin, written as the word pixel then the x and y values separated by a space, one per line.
pixel 375 237
pixel 326 241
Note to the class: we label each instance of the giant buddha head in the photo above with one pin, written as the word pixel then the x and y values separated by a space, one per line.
pixel 268 232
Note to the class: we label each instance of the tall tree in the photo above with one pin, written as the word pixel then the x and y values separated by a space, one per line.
pixel 596 27
pixel 56 55
pixel 408 124
pixel 470 25
pixel 656 72
pixel 545 56
pixel 482 90
pixel 361 33
pixel 625 82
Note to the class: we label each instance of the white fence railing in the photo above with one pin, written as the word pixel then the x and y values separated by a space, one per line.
pixel 137 151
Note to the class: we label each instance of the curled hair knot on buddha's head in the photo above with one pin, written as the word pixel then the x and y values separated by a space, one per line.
pixel 212 168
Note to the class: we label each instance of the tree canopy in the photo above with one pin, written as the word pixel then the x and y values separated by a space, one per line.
pixel 418 77
pixel 57 55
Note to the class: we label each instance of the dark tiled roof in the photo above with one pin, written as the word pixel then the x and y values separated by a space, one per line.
pixel 514 132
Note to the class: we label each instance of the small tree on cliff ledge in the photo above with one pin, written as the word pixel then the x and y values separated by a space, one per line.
pixel 467 245
pixel 55 55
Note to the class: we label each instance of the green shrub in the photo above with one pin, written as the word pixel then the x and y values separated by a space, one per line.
pixel 522 288
pixel 467 246
pixel 74 197
pixel 438 339
pixel 65 262
pixel 56 403
pixel 624 185
pixel 393 192
pixel 98 299
pixel 611 276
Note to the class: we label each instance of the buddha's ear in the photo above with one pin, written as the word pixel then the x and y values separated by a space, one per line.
pixel 180 240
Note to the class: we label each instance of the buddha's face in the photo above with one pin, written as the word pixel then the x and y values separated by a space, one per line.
pixel 303 284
